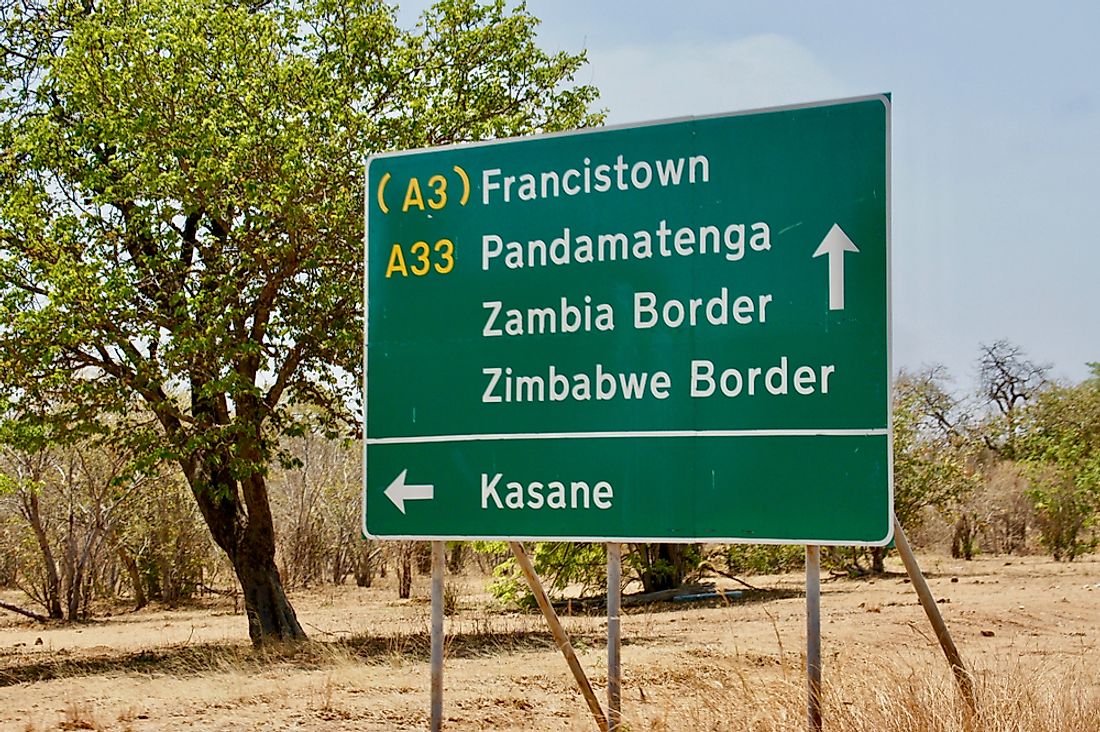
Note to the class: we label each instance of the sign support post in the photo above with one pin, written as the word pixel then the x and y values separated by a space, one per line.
pixel 560 636
pixel 614 636
pixel 813 637
pixel 920 584
pixel 438 565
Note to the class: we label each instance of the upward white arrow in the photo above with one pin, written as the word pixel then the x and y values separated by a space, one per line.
pixel 399 491
pixel 835 243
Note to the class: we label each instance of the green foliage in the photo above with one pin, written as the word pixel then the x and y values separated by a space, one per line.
pixel 181 213
pixel 508 585
pixel 558 564
pixel 764 558
pixel 7 484
pixel 583 566
pixel 1064 512
pixel 932 462
pixel 181 201
pixel 1061 448
pixel 495 551
pixel 165 536
pixel 663 566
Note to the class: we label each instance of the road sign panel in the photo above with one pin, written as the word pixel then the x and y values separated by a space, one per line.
pixel 674 331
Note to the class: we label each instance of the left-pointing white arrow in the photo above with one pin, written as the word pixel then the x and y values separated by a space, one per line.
pixel 835 243
pixel 399 491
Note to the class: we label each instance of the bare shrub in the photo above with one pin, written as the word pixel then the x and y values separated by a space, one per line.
pixel 85 522
pixel 167 543
pixel 1008 511
pixel 452 597
pixel 316 499
pixel 79 715
pixel 68 501
pixel 404 552
pixel 369 561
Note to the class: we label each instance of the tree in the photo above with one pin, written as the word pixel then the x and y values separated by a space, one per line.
pixel 72 500
pixel 21 477
pixel 1008 380
pixel 1060 445
pixel 931 465
pixel 180 218
pixel 663 566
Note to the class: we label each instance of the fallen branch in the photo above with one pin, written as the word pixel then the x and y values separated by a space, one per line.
pixel 23 611
pixel 641 598
pixel 216 591
pixel 711 568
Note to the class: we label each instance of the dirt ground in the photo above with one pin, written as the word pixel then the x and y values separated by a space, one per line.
pixel 710 665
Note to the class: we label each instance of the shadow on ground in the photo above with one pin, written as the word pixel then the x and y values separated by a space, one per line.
pixel 194 659
pixel 199 659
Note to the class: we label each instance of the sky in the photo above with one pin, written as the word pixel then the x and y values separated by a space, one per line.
pixel 995 142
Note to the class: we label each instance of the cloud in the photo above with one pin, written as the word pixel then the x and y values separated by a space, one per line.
pixel 675 80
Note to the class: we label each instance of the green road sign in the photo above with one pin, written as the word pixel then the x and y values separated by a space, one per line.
pixel 674 331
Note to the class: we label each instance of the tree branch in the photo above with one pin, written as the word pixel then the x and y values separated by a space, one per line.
pixel 282 379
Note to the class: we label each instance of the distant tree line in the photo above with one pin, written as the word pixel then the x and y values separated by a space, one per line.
pixel 1013 468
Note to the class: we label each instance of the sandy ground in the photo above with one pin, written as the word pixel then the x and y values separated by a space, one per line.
pixel 712 665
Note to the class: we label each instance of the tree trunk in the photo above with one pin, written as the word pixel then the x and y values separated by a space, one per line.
pixel 74 591
pixel 22 611
pixel 423 553
pixel 238 515
pixel 1017 533
pixel 133 572
pixel 405 550
pixel 365 565
pixel 664 566
pixel 33 513
pixel 79 554
pixel 270 615
pixel 878 560
pixel 456 560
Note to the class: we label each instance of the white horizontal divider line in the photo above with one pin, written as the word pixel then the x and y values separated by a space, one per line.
pixel 493 436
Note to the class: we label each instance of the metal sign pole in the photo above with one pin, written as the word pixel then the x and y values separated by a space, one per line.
pixel 438 565
pixel 614 637
pixel 813 637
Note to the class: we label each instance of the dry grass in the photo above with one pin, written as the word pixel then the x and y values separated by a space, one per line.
pixel 709 691
pixel 886 700
pixel 1029 627
pixel 79 715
